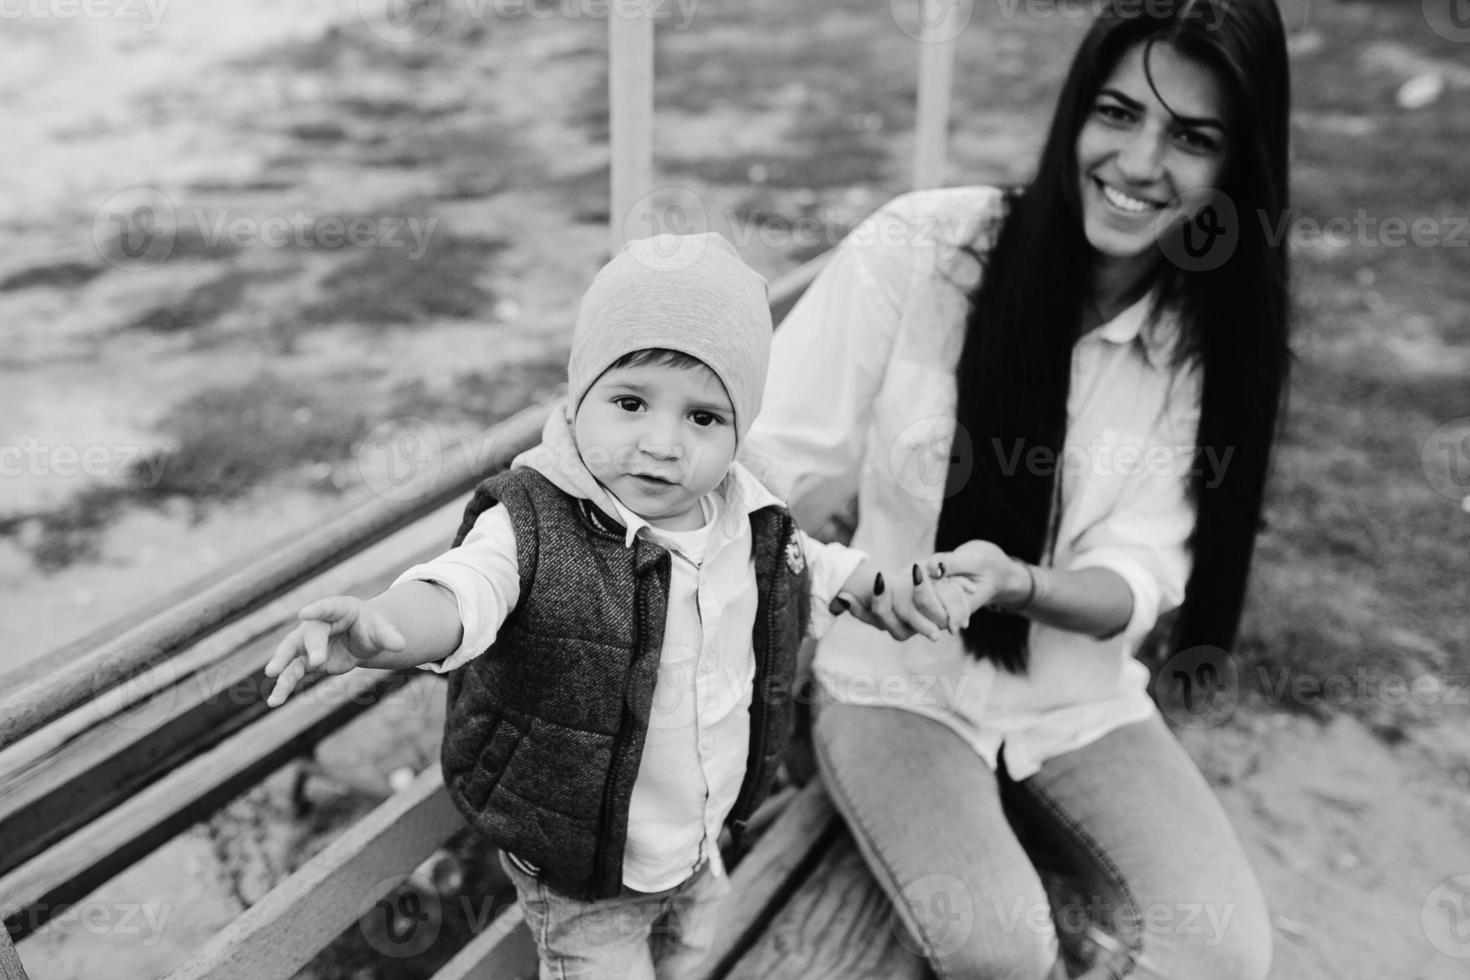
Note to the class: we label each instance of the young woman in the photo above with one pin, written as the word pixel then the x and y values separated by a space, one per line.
pixel 1072 388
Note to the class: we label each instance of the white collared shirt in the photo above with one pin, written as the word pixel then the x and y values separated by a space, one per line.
pixel 860 400
pixel 698 738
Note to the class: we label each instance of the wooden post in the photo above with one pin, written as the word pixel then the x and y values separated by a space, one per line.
pixel 630 105
pixel 940 28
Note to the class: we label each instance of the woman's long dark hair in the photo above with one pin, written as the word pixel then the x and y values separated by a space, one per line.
pixel 1015 367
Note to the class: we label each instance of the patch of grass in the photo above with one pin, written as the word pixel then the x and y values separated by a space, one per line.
pixel 56 275
pixel 70 533
pixel 481 397
pixel 386 287
pixel 198 308
pixel 228 440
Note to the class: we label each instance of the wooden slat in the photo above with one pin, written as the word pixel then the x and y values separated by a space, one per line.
pixel 73 867
pixel 10 965
pixel 504 951
pixel 838 925
pixel 69 678
pixel 940 29
pixel 84 764
pixel 773 869
pixel 279 934
pixel 630 107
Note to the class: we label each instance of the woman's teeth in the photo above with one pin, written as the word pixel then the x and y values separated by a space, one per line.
pixel 1125 203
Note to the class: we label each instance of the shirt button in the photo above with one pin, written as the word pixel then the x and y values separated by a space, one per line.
pixel 706 743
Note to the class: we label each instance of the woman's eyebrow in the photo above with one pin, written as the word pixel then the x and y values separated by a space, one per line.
pixel 1134 104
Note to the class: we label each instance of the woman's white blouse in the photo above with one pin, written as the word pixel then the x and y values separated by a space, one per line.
pixel 861 400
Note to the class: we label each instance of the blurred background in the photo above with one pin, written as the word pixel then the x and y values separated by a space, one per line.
pixel 246 245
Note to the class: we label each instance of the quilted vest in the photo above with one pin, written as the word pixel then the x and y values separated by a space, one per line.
pixel 544 730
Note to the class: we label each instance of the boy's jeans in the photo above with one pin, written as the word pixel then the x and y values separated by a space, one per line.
pixel 637 935
pixel 1130 813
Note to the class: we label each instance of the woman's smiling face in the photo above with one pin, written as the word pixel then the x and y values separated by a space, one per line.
pixel 1140 159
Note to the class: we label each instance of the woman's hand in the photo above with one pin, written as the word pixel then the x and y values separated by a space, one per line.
pixel 991 576
pixel 905 601
pixel 336 634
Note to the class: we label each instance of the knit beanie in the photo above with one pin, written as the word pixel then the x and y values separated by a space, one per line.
pixel 687 293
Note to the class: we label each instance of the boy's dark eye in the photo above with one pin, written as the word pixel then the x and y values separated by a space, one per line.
pixel 627 403
pixel 705 419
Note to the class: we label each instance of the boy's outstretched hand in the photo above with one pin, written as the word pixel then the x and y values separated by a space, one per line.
pixel 336 634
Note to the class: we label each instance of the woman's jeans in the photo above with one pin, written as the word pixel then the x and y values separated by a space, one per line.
pixel 1131 815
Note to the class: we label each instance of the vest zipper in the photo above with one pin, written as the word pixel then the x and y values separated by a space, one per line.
pixel 758 701
pixel 619 748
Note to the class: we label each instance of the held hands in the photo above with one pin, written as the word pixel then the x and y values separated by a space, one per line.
pixel 940 593
pixel 991 577
pixel 907 600
pixel 336 634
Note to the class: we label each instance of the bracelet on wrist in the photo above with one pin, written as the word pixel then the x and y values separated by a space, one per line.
pixel 1030 587
pixel 1018 607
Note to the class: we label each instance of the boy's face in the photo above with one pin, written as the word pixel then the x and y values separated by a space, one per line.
pixel 659 438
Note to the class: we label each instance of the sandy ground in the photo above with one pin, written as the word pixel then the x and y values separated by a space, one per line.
pixel 1361 846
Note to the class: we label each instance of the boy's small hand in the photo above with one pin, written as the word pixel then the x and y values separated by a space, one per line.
pixel 334 636
pixel 903 601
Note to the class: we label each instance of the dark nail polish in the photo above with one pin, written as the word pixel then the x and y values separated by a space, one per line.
pixel 918 576
pixel 941 569
pixel 878 584
pixel 837 606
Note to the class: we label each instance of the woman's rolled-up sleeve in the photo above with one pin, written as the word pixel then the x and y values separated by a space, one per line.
pixel 1145 543
pixel 1145 539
